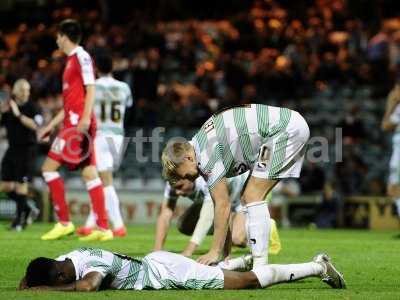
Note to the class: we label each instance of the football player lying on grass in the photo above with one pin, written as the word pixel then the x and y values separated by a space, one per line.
pixel 88 269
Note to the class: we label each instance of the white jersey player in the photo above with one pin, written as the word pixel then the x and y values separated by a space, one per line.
pixel 113 97
pixel 391 123
pixel 198 219
pixel 90 270
pixel 270 141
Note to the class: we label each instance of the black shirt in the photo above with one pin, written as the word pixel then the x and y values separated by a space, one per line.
pixel 19 135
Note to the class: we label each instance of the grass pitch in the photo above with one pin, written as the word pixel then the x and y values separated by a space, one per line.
pixel 369 260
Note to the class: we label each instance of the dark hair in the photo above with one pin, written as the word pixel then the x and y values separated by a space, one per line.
pixel 41 271
pixel 104 63
pixel 72 29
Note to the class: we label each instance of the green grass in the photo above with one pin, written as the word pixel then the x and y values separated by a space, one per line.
pixel 369 260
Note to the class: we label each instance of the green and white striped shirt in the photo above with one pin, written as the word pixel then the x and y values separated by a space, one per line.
pixel 119 271
pixel 228 143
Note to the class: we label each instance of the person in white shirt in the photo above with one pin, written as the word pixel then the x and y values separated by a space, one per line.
pixel 113 97
pixel 90 270
pixel 198 219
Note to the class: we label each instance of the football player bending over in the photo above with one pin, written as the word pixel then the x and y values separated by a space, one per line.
pixel 198 219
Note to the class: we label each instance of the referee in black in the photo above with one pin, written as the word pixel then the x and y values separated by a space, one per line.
pixel 21 118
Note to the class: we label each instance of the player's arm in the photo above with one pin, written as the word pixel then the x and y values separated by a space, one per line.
pixel 44 132
pixel 89 283
pixel 203 225
pixel 163 222
pixel 393 100
pixel 84 122
pixel 32 124
pixel 222 207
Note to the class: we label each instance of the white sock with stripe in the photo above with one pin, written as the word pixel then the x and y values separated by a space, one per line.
pixel 268 275
pixel 258 224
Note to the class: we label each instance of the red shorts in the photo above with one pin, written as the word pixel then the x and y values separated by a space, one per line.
pixel 73 148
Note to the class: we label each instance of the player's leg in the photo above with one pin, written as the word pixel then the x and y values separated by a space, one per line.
pixel 112 203
pixel 239 236
pixel 57 194
pixel 187 221
pixel 258 221
pixel 173 271
pixel 8 177
pixel 105 146
pixel 168 270
pixel 24 176
pixel 268 275
pixel 239 233
pixel 280 157
pixel 96 193
pixel 393 188
pixel 21 191
pixel 8 187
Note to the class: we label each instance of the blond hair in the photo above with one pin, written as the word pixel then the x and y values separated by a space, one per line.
pixel 172 156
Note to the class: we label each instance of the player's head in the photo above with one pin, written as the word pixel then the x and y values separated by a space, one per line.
pixel 104 63
pixel 184 187
pixel 179 162
pixel 69 34
pixel 47 271
pixel 21 90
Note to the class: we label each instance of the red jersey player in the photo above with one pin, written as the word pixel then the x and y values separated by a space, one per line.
pixel 73 146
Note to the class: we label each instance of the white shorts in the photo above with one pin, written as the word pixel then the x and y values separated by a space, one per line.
pixel 394 165
pixel 107 149
pixel 283 155
pixel 166 270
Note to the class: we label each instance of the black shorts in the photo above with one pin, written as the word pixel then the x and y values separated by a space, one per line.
pixel 17 164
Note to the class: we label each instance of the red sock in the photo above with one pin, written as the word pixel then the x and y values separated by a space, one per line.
pixel 96 193
pixel 57 193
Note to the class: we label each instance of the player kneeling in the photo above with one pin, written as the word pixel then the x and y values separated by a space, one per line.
pixel 88 269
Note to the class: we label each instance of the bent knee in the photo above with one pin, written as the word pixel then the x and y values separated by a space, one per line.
pixel 89 173
pixel 239 240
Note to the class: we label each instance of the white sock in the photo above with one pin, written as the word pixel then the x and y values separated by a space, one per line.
pixel 397 203
pixel 268 275
pixel 112 206
pixel 233 264
pixel 258 224
pixel 91 219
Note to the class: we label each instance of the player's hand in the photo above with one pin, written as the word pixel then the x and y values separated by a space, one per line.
pixel 394 94
pixel 43 134
pixel 83 125
pixel 15 108
pixel 209 259
pixel 190 248
pixel 22 284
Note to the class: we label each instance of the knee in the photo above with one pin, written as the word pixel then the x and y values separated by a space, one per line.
pixel 49 166
pixel 239 239
pixel 106 178
pixel 89 173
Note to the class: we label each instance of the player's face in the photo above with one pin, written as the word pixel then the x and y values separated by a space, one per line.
pixel 188 169
pixel 60 41
pixel 184 187
pixel 22 94
pixel 64 275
